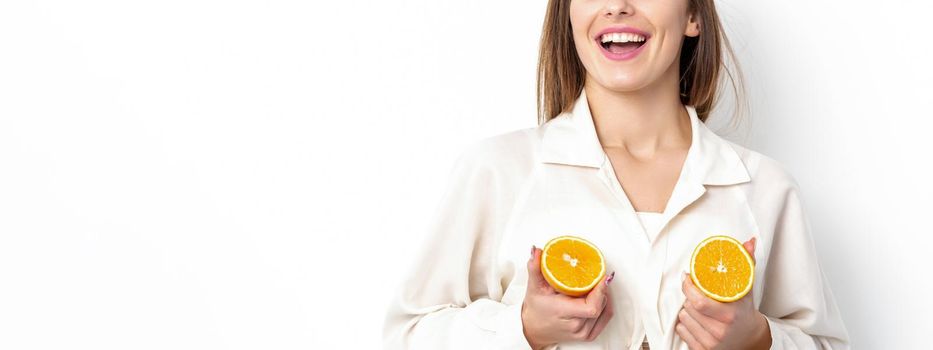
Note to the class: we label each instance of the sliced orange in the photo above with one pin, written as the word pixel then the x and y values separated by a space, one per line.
pixel 572 265
pixel 722 269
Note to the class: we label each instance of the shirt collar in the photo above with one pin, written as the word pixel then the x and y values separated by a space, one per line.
pixel 570 138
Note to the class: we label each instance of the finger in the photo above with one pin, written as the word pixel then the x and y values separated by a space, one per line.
pixel 584 332
pixel 574 325
pixel 715 327
pixel 750 247
pixel 696 329
pixel 603 320
pixel 593 304
pixel 688 338
pixel 536 282
pixel 702 303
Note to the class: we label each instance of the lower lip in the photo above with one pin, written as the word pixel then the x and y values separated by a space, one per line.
pixel 622 56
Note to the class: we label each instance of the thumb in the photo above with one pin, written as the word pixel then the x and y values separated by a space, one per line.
pixel 536 281
pixel 750 247
pixel 600 293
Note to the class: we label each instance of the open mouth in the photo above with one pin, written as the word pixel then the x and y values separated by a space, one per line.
pixel 622 47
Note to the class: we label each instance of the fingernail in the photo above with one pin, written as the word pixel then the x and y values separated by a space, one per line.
pixel 611 276
pixel 532 250
pixel 683 277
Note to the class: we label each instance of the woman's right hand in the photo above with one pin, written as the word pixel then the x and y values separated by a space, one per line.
pixel 549 317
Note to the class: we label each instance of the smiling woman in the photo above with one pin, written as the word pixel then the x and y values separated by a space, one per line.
pixel 701 59
pixel 621 158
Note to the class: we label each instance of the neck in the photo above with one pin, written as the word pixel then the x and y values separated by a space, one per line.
pixel 641 121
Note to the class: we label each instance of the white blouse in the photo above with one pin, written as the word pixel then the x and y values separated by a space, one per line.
pixel 465 288
pixel 651 223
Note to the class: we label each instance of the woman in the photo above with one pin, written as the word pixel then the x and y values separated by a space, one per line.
pixel 621 157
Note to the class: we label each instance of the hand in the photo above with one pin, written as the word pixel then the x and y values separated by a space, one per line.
pixel 549 317
pixel 704 323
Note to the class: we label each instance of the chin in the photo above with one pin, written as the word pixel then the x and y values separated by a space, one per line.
pixel 621 82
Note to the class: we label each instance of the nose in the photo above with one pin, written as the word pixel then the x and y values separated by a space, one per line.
pixel 614 8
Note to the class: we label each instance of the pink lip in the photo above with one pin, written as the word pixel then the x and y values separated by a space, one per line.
pixel 621 56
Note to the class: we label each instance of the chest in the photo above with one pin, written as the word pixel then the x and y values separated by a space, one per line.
pixel 648 184
pixel 584 202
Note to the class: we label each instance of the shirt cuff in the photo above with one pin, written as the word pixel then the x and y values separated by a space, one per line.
pixel 511 333
pixel 777 333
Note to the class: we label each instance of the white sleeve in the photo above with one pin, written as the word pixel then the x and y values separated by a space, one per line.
pixel 797 300
pixel 450 298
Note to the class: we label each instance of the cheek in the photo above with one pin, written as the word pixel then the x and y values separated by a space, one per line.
pixel 580 21
pixel 576 18
pixel 671 23
pixel 668 50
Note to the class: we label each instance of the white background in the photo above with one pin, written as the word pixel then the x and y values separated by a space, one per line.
pixel 255 174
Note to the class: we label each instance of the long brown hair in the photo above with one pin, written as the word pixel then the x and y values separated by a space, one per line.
pixel 561 74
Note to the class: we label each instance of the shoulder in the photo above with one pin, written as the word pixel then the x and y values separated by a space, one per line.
pixel 508 153
pixel 492 171
pixel 766 173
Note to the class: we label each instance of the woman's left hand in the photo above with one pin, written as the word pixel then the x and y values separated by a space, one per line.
pixel 704 323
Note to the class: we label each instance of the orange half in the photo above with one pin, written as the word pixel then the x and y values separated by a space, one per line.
pixel 722 269
pixel 572 265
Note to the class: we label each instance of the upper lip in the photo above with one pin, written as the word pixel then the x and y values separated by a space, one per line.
pixel 622 29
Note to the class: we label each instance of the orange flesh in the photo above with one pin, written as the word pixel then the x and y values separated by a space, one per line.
pixel 573 263
pixel 722 268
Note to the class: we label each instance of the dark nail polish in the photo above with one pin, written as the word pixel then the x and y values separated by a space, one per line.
pixel 611 276
pixel 532 250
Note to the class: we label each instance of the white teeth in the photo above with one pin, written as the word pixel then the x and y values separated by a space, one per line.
pixel 622 37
